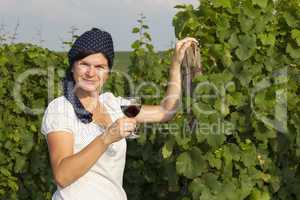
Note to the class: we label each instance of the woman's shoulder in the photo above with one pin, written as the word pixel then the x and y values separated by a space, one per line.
pixel 59 115
pixel 58 100
pixel 60 105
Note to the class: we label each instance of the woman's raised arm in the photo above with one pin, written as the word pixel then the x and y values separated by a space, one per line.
pixel 168 106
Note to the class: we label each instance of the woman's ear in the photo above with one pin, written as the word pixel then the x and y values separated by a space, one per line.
pixel 72 68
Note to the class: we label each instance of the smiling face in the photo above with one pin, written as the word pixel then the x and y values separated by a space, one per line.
pixel 91 72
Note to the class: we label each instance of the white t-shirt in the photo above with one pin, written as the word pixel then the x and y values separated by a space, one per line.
pixel 104 180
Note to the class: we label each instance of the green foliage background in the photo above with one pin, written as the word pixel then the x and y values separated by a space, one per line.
pixel 250 53
pixel 245 44
pixel 24 164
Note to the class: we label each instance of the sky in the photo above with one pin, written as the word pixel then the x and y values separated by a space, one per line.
pixel 50 21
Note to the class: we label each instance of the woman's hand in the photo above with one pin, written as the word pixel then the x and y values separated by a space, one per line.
pixel 181 47
pixel 120 129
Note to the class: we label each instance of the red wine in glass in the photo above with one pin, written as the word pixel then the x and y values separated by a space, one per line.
pixel 131 107
pixel 131 110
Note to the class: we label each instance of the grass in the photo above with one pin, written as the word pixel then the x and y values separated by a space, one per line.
pixel 121 61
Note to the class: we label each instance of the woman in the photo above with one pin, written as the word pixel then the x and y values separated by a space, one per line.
pixel 82 125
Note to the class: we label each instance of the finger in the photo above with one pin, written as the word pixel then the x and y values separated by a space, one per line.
pixel 187 42
pixel 130 120
pixel 179 44
pixel 184 47
pixel 126 134
pixel 190 39
pixel 129 126
pixel 124 120
pixel 121 119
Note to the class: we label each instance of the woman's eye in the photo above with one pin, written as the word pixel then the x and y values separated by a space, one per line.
pixel 84 64
pixel 101 68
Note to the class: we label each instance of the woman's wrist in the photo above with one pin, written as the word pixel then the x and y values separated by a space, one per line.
pixel 174 69
pixel 175 63
pixel 105 138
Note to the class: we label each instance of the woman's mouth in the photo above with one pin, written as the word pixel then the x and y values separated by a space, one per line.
pixel 90 82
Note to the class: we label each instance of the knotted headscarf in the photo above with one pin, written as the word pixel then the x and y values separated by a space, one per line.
pixel 90 42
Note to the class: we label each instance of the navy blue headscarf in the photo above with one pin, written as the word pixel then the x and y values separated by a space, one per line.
pixel 90 42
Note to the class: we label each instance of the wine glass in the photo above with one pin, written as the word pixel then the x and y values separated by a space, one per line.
pixel 131 107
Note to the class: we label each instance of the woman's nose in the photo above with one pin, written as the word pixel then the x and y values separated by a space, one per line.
pixel 91 71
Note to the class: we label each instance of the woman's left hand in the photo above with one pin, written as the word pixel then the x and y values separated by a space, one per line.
pixel 181 47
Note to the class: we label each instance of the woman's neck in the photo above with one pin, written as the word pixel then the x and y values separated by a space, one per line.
pixel 88 99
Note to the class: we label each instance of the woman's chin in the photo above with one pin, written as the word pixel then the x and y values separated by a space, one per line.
pixel 89 88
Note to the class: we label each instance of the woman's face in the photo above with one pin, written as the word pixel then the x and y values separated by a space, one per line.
pixel 91 72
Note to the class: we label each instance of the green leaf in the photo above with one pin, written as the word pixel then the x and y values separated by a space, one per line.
pixel 260 25
pixel 147 35
pixel 260 3
pixel 248 157
pixel 207 195
pixel 233 41
pixel 290 19
pixel 20 163
pixel 267 39
pixel 33 128
pixel 136 44
pixel 211 180
pixel 216 139
pixel 3 60
pixel 135 30
pixel 184 165
pixel 246 47
pixel 213 161
pixel 172 177
pixel 28 143
pixel 227 168
pixel 222 3
pixel 5 172
pixel 168 148
pixel 296 36
pixel 191 164
pixel 227 58
pixel 196 187
pixel 183 140
pixel 259 195
pixel 145 26
pixel 180 6
pixel 294 53
pixel 223 28
pixel 13 185
pixel 246 23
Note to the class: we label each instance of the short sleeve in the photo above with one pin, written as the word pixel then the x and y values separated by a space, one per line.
pixel 59 116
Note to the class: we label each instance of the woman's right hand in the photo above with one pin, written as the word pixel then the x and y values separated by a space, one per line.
pixel 120 129
pixel 181 47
